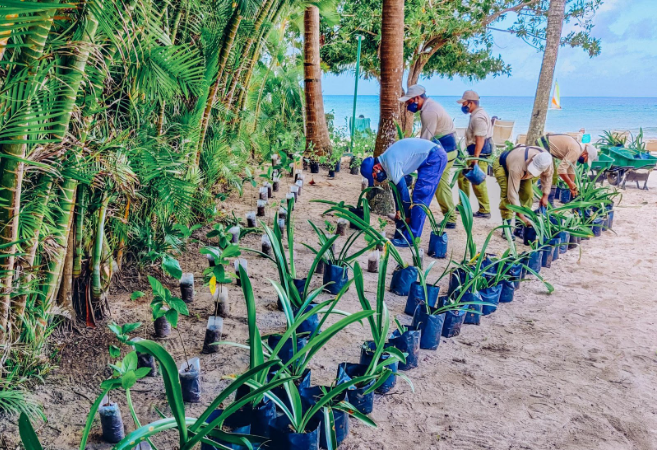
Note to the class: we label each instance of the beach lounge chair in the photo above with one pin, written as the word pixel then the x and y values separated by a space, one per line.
pixel 651 145
pixel 502 132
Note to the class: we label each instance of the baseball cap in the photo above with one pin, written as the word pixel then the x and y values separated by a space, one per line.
pixel 366 169
pixel 468 96
pixel 414 91
pixel 540 164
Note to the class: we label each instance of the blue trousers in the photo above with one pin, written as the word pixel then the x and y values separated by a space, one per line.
pixel 428 178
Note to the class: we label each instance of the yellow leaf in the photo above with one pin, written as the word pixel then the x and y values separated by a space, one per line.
pixel 213 285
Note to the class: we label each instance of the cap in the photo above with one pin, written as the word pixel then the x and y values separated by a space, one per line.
pixel 468 96
pixel 540 164
pixel 366 169
pixel 592 151
pixel 414 91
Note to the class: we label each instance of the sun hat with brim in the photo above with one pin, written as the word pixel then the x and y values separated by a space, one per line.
pixel 468 96
pixel 593 153
pixel 414 91
pixel 540 163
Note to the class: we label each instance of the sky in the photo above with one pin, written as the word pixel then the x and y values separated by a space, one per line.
pixel 626 67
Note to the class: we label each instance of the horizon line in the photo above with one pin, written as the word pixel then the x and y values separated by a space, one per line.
pixel 507 96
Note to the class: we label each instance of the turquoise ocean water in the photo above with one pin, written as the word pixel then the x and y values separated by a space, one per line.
pixel 594 114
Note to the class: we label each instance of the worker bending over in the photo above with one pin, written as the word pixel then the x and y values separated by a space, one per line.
pixel 569 151
pixel 514 171
pixel 403 158
pixel 437 126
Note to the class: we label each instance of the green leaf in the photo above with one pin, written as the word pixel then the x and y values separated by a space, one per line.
pixel 172 267
pixel 143 372
pixel 130 327
pixel 130 361
pixel 114 351
pixel 128 379
pixel 28 435
pixel 172 317
pixel 158 289
pixel 135 295
pixel 179 306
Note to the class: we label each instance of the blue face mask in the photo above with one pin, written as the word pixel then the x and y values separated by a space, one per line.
pixel 465 109
pixel 413 107
pixel 581 160
pixel 381 177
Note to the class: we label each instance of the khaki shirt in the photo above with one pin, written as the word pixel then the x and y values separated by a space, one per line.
pixel 435 120
pixel 517 168
pixel 567 149
pixel 480 125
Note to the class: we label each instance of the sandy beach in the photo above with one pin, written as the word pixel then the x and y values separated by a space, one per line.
pixel 570 370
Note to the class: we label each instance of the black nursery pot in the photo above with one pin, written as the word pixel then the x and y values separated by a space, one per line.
pixel 331 173
pixel 546 257
pixel 507 292
pixel 528 234
pixel 456 279
pixel 354 170
pixel 366 355
pixel 314 167
pixel 284 439
pixel 212 334
pixel 555 249
pixel 358 212
pixel 302 382
pixel 111 423
pixel 535 260
pixel 409 342
pixel 564 238
pixel 309 397
pixel 311 323
pixel 453 322
pixel 491 295
pixel 430 325
pixel 237 423
pixel 287 350
pixel 402 279
pixel 146 360
pixel 190 384
pixel 515 272
pixel 473 314
pixel 162 327
pixel 337 166
pixel 416 297
pixel 363 402
pixel 597 227
pixel 438 245
pixel 262 416
pixel 338 275
pixel 574 242
pixel 300 284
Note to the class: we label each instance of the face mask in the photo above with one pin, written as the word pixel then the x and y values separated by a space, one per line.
pixel 381 177
pixel 413 107
pixel 581 160
pixel 465 109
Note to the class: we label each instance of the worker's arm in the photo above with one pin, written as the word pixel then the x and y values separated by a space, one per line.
pixel 479 146
pixel 512 193
pixel 567 165
pixel 570 182
pixel 546 185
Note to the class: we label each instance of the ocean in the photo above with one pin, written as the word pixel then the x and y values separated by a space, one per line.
pixel 594 114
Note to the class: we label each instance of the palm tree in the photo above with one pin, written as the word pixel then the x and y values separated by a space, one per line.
pixel 556 15
pixel 317 135
pixel 392 72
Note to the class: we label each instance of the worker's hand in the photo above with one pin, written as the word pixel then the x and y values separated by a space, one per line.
pixel 408 220
pixel 473 162
pixel 574 192
pixel 398 215
pixel 544 201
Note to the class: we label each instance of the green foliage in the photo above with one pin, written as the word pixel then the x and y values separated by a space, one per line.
pixel 166 305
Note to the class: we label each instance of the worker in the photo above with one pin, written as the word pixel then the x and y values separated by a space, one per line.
pixel 403 158
pixel 437 126
pixel 514 170
pixel 566 149
pixel 479 142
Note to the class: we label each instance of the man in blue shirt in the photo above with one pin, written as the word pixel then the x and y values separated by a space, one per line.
pixel 403 158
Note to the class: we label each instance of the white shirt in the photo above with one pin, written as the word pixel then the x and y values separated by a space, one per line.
pixel 435 120
pixel 404 157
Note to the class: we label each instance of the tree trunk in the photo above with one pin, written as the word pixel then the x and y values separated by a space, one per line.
pixel 229 40
pixel 64 296
pixel 317 135
pixel 11 174
pixel 96 285
pixel 552 42
pixel 392 71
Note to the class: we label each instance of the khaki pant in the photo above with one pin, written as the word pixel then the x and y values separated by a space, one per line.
pixel 481 190
pixel 526 191
pixel 444 191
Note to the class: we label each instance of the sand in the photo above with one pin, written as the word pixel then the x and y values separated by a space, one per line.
pixel 570 370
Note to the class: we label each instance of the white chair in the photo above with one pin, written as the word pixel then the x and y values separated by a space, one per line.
pixel 502 132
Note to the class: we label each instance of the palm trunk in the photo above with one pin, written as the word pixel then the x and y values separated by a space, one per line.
pixel 556 15
pixel 62 229
pixel 64 296
pixel 97 257
pixel 79 231
pixel 121 246
pixel 43 191
pixel 5 35
pixel 11 177
pixel 317 135
pixel 255 34
pixel 232 28
pixel 392 71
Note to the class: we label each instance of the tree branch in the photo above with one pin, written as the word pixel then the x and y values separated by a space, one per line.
pixel 493 17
